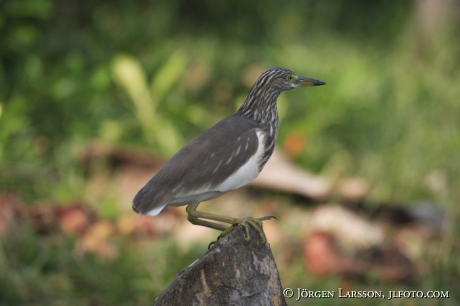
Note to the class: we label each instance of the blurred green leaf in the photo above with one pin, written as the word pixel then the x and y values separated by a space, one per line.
pixel 130 75
pixel 169 74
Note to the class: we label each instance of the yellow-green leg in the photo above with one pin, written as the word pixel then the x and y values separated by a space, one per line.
pixel 195 217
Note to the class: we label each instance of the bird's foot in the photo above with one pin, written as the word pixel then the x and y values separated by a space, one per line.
pixel 256 223
pixel 202 218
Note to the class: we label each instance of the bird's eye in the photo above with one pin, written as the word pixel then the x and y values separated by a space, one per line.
pixel 290 78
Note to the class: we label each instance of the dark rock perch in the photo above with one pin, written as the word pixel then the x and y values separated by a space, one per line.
pixel 234 272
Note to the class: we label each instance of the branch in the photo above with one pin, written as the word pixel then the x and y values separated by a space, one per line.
pixel 233 272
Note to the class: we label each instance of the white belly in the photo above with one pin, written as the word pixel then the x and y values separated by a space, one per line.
pixel 248 172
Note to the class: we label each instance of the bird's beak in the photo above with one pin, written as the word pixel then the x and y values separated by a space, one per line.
pixel 301 81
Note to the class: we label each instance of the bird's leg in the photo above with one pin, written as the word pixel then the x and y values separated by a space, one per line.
pixel 195 217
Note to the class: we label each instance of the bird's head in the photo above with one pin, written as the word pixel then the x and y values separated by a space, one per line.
pixel 260 104
pixel 280 79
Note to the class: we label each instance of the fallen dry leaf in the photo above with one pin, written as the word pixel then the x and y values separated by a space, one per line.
pixel 281 174
pixel 96 240
pixel 351 229
pixel 323 257
pixel 74 219
pixel 385 262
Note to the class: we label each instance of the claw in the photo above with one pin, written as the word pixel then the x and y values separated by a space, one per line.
pixel 212 244
pixel 256 223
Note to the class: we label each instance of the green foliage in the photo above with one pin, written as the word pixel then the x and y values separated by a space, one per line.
pixel 130 75
pixel 157 73
pixel 46 271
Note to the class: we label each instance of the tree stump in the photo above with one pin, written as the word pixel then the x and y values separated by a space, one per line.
pixel 233 272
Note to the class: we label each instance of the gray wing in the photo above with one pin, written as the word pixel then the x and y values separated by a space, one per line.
pixel 201 165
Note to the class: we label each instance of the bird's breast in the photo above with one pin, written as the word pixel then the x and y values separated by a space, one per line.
pixel 249 170
pixel 268 142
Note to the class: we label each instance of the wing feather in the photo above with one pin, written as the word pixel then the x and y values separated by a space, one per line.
pixel 201 166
